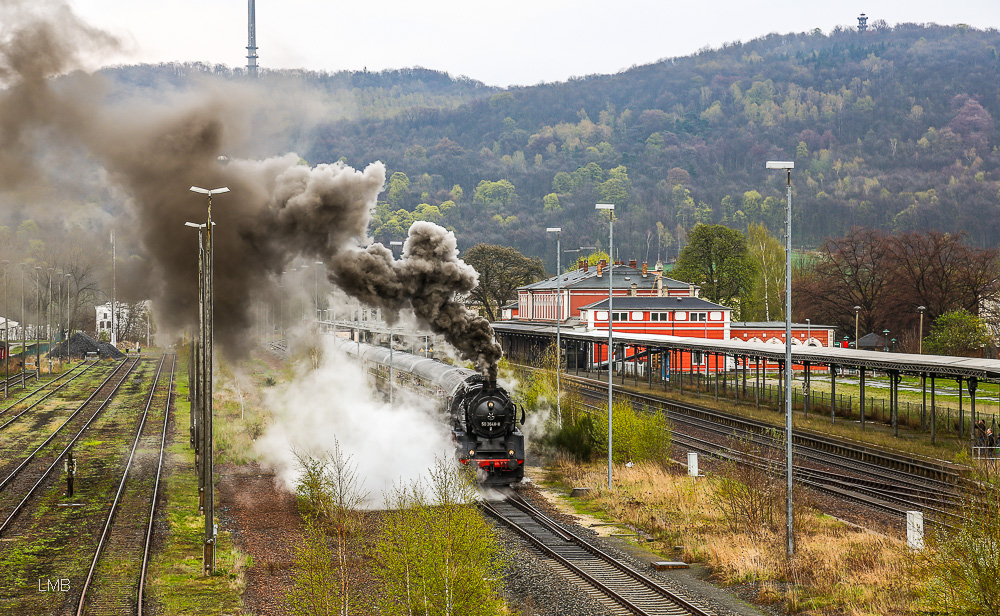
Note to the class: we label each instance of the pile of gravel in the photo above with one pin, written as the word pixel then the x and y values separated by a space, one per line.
pixel 80 344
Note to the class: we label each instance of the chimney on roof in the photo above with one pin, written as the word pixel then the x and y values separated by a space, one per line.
pixel 580 263
pixel 600 268
pixel 586 266
pixel 659 286
pixel 633 291
pixel 645 269
pixel 632 263
pixel 691 291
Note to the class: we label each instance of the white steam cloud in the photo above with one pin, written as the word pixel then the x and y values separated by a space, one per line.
pixel 389 445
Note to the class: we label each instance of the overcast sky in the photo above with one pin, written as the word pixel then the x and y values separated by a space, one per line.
pixel 507 42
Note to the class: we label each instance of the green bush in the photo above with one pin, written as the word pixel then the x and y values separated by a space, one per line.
pixel 575 437
pixel 638 436
pixel 963 562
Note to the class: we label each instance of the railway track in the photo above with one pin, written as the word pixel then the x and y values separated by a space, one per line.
pixel 930 469
pixel 19 378
pixel 7 421
pixel 36 467
pixel 279 348
pixel 886 482
pixel 616 585
pixel 110 587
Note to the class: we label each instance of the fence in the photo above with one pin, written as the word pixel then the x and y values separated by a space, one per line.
pixel 729 385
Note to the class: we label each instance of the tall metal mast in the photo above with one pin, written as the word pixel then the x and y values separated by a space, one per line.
pixel 252 41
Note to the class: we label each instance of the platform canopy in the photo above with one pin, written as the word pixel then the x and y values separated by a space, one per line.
pixel 904 363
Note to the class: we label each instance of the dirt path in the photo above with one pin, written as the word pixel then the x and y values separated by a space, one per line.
pixel 265 524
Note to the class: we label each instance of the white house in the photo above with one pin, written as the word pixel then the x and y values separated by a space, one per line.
pixel 122 314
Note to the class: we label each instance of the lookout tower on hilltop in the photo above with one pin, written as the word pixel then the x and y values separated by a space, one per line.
pixel 862 21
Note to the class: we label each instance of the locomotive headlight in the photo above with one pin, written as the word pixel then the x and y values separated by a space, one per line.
pixel 511 453
pixel 472 452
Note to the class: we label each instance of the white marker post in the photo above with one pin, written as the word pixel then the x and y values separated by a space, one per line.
pixel 692 464
pixel 915 530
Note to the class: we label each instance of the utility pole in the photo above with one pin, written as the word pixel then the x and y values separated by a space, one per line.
pixel 38 320
pixel 114 302
pixel 6 332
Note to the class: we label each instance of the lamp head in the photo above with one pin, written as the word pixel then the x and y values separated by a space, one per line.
pixel 921 308
pixel 780 164
pixel 553 229
pixel 604 206
pixel 214 191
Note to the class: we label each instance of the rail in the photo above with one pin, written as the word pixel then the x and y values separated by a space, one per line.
pixel 40 400
pixel 156 487
pixel 106 531
pixel 633 591
pixel 17 509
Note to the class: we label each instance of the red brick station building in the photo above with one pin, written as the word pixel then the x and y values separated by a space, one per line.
pixel 645 302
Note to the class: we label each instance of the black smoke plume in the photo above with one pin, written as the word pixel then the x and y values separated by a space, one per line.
pixel 278 209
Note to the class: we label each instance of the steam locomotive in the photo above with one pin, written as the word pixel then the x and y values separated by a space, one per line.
pixel 482 415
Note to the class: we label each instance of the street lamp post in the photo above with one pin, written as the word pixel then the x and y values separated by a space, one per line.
pixel 281 316
pixel 558 232
pixel 920 339
pixel 316 279
pixel 392 247
pixel 809 333
pixel 69 319
pixel 38 319
pixel 60 317
pixel 787 166
pixel 857 309
pixel 207 334
pixel 885 340
pixel 48 321
pixel 24 334
pixel 610 207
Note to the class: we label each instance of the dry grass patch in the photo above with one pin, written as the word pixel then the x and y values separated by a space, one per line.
pixel 838 569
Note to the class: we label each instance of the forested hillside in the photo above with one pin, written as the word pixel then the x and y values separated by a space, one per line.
pixel 892 128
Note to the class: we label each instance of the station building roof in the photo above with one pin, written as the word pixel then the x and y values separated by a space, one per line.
pixel 588 279
pixel 656 303
pixel 906 363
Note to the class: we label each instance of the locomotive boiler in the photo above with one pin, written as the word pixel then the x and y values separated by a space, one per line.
pixel 482 416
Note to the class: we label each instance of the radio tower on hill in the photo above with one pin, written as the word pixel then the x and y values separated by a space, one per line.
pixel 252 42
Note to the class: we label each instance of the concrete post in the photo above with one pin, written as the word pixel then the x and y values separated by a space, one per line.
pixel 915 530
pixel 692 464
